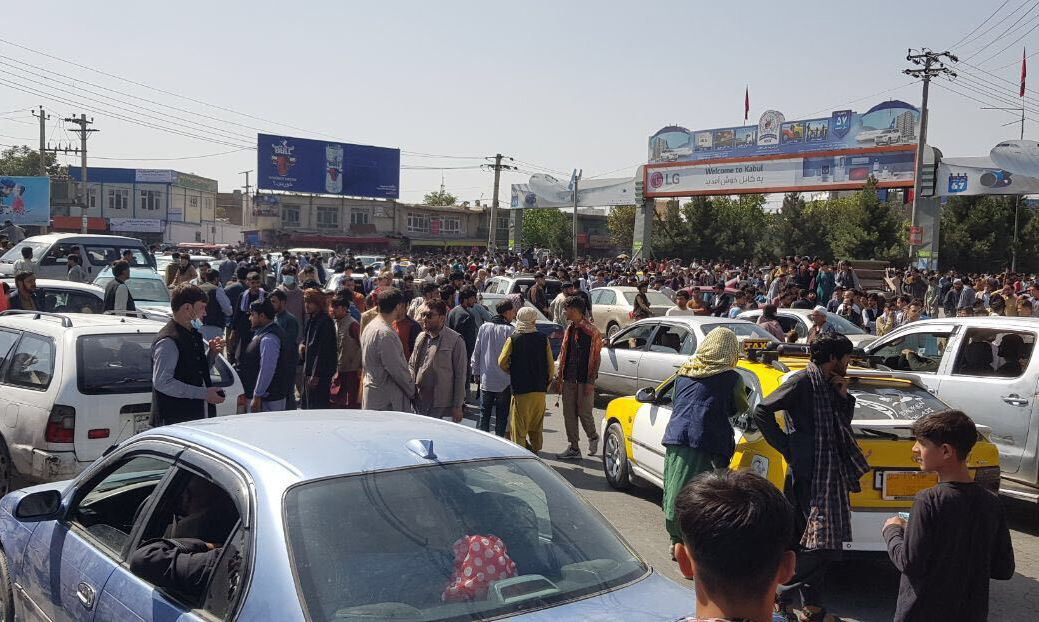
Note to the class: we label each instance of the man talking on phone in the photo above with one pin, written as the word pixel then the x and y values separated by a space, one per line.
pixel 181 388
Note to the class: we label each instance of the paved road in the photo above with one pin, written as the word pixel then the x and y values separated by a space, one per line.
pixel 858 589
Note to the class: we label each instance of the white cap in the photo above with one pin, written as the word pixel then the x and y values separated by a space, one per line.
pixel 819 309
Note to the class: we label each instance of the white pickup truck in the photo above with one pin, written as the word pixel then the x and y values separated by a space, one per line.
pixel 988 368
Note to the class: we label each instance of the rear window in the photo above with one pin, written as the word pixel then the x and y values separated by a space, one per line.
pixel 142 290
pixel 122 363
pixel 656 299
pixel 105 255
pixel 742 329
pixel 892 400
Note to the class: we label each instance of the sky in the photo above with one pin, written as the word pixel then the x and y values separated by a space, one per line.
pixel 554 85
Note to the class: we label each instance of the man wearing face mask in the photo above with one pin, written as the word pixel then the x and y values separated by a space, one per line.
pixel 180 363
pixel 293 293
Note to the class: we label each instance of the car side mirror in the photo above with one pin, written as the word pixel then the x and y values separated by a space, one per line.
pixel 38 506
pixel 646 395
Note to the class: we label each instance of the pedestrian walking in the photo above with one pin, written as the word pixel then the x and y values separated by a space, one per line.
pixel 578 370
pixel 346 385
pixel 708 392
pixel 218 306
pixel 529 378
pixel 117 292
pixel 318 351
pixel 558 311
pixel 268 362
pixel 536 294
pixel 439 366
pixel 240 327
pixel 181 380
pixel 640 306
pixel 26 263
pixel 388 384
pixel 826 464
pixel 495 387
pixel 75 274
pixel 293 294
pixel 461 320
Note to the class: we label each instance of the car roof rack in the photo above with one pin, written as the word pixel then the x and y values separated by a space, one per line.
pixel 141 315
pixel 66 322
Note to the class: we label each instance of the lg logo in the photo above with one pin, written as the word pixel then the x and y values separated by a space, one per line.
pixel 658 179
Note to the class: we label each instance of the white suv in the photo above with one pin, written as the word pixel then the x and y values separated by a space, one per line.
pixel 73 385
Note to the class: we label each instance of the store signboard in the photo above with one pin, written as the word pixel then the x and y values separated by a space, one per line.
pixel 153 176
pixel 138 225
pixel 323 167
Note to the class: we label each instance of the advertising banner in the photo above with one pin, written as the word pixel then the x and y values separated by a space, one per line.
pixel 138 225
pixel 195 182
pixel 823 172
pixel 323 167
pixel 153 176
pixel 545 191
pixel 980 175
pixel 25 200
pixel 887 124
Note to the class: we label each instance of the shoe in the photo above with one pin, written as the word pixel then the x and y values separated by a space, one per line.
pixel 569 454
pixel 593 447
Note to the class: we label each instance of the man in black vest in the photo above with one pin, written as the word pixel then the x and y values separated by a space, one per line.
pixel 117 293
pixel 268 362
pixel 180 364
pixel 218 306
pixel 240 326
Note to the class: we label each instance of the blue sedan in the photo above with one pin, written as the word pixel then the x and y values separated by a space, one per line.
pixel 328 515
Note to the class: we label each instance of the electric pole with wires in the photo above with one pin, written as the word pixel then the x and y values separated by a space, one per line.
pixel 84 131
pixel 930 65
pixel 497 167
pixel 43 117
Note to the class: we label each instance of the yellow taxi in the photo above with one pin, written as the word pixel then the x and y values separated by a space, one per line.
pixel 887 403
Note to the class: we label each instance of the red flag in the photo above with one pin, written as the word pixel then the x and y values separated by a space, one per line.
pixel 1023 73
pixel 746 99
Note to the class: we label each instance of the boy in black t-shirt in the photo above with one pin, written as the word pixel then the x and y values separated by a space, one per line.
pixel 956 538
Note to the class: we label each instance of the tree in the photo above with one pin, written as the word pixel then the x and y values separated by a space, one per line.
pixel 621 224
pixel 865 228
pixel 440 197
pixel 800 228
pixel 977 234
pixel 549 228
pixel 24 161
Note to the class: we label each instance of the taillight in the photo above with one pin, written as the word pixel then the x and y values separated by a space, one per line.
pixel 987 477
pixel 241 404
pixel 99 433
pixel 61 425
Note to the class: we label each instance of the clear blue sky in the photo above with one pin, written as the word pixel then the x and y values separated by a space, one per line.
pixel 556 84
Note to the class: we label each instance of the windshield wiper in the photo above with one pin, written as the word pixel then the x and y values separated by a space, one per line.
pixel 891 436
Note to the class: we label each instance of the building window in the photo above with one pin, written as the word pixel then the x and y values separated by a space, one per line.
pixel 327 217
pixel 192 201
pixel 451 226
pixel 150 199
pixel 502 220
pixel 118 198
pixel 418 223
pixel 207 203
pixel 290 215
pixel 358 217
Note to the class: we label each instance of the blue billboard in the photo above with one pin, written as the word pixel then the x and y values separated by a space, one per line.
pixel 25 200
pixel 324 167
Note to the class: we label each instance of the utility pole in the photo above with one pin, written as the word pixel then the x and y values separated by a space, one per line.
pixel 84 131
pixel 498 167
pixel 44 117
pixel 247 209
pixel 932 65
pixel 577 182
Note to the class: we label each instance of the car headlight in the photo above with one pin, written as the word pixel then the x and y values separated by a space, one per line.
pixel 988 477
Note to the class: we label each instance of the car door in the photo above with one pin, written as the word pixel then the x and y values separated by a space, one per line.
pixel 931 344
pixel 671 346
pixel 607 313
pixel 793 322
pixel 619 360
pixel 647 433
pixel 29 388
pixel 1003 401
pixel 204 499
pixel 54 263
pixel 68 561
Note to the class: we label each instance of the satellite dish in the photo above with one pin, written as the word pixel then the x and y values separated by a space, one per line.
pixel 1017 156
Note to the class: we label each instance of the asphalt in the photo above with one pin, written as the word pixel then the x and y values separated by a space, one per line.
pixel 859 589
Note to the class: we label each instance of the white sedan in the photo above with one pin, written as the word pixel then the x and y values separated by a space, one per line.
pixel 649 351
pixel 800 320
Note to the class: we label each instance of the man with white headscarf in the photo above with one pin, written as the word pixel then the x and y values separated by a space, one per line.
pixel 708 391
pixel 529 378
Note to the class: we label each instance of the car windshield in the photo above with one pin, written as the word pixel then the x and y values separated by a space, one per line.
pixel 142 290
pixel 656 299
pixel 15 253
pixel 401 562
pixel 122 363
pixel 742 329
pixel 878 399
pixel 842 325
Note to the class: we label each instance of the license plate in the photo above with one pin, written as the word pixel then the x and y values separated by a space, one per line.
pixel 756 344
pixel 142 423
pixel 903 485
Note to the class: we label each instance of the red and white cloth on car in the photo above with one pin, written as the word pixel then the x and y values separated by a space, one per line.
pixel 479 561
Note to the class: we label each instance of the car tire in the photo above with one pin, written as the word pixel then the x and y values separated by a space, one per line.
pixel 6 590
pixel 6 471
pixel 612 329
pixel 615 458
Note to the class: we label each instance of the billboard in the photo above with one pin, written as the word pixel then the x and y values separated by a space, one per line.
pixel 323 167
pixel 545 191
pixel 888 124
pixel 785 174
pixel 25 200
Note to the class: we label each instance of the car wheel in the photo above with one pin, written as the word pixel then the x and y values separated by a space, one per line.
pixel 6 591
pixel 6 472
pixel 611 330
pixel 615 458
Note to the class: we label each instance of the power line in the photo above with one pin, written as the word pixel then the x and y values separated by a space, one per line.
pixel 984 103
pixel 1010 64
pixel 993 14
pixel 1011 44
pixel 1012 28
pixel 195 157
pixel 993 26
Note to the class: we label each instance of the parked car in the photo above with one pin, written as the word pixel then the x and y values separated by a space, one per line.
pixel 886 405
pixel 74 385
pixel 97 251
pixel 147 287
pixel 800 320
pixel 960 361
pixel 367 260
pixel 67 296
pixel 330 533
pixel 550 329
pixel 519 284
pixel 649 351
pixel 613 306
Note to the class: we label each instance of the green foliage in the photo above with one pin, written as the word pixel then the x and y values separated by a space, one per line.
pixel 24 161
pixel 977 234
pixel 729 227
pixel 865 228
pixel 801 228
pixel 621 224
pixel 440 197
pixel 549 228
